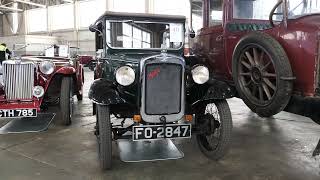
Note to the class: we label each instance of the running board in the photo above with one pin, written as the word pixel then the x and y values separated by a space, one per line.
pixel 155 150
pixel 28 124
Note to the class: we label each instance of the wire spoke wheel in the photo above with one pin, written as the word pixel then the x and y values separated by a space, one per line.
pixel 216 117
pixel 211 141
pixel 257 75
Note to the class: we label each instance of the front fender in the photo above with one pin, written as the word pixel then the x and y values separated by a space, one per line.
pixel 66 70
pixel 219 90
pixel 214 90
pixel 104 92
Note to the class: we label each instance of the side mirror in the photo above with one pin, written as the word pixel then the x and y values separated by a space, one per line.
pixel 192 34
pixel 93 28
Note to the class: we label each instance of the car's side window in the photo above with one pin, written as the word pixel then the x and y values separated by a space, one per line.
pixel 258 9
pixel 197 15
pixel 99 38
pixel 216 12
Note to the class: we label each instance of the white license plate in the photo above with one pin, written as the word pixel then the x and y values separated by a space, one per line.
pixel 9 113
pixel 171 131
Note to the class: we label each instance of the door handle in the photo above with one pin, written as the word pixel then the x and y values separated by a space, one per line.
pixel 219 38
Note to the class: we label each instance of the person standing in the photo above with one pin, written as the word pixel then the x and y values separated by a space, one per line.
pixel 3 52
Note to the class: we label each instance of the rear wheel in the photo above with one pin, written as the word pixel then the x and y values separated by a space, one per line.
pixel 262 74
pixel 216 122
pixel 80 95
pixel 104 136
pixel 66 101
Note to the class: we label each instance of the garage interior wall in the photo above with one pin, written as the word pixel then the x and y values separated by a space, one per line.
pixel 69 22
pixel 1 26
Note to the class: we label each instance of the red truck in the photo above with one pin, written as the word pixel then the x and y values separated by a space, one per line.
pixel 268 50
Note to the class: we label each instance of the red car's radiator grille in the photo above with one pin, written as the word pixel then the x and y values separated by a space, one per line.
pixel 18 80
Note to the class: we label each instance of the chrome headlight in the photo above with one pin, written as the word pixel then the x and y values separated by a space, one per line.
pixel 200 74
pixel 38 91
pixel 125 75
pixel 47 67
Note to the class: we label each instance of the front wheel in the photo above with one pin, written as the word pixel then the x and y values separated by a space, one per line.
pixel 216 122
pixel 262 74
pixel 104 136
pixel 66 101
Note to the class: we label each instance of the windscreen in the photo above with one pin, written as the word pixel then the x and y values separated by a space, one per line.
pixel 298 8
pixel 47 50
pixel 144 35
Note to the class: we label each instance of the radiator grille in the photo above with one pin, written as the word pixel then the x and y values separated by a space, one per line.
pixel 18 80
pixel 163 89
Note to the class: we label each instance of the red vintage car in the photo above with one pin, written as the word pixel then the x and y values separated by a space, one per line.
pixel 31 83
pixel 268 50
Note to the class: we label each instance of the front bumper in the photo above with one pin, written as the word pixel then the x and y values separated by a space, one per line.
pixel 35 104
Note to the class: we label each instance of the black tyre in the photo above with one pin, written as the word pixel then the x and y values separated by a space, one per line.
pixel 79 97
pixel 66 101
pixel 104 137
pixel 214 143
pixel 94 109
pixel 262 74
pixel 91 65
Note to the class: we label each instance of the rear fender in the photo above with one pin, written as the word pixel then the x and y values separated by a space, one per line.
pixel 104 92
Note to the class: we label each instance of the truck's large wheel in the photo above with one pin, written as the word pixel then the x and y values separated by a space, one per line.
pixel 262 74
pixel 214 141
pixel 104 136
pixel 66 101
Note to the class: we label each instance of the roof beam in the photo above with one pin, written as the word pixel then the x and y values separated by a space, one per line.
pixel 5 8
pixel 31 3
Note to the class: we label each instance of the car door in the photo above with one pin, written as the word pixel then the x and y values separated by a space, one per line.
pixel 214 36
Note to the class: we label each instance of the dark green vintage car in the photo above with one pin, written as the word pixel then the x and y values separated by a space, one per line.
pixel 143 75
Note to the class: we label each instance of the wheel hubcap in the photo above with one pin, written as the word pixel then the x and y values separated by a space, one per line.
pixel 257 75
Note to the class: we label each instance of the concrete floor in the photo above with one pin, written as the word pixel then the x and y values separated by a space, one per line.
pixel 261 149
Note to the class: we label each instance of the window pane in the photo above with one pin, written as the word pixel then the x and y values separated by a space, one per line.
pixel 303 7
pixel 146 37
pixel 108 35
pixel 89 11
pixel 146 45
pixel 258 9
pixel 137 43
pixel 197 15
pixel 216 13
pixel 127 29
pixel 137 6
pixel 37 20
pixel 127 42
pixel 137 34
pixel 61 17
